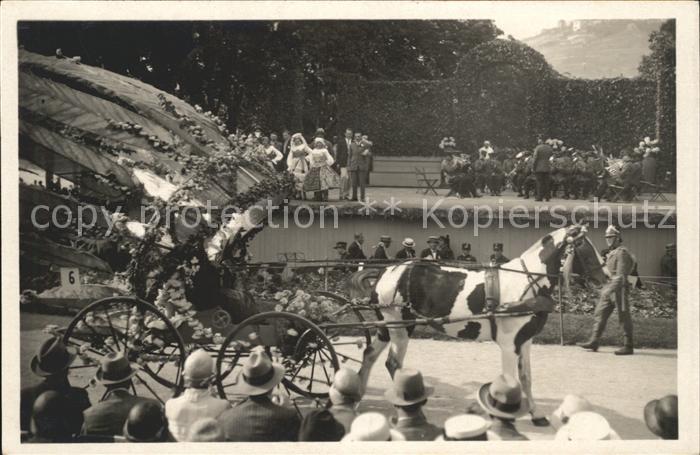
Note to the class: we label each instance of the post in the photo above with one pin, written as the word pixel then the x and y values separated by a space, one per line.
pixel 561 311
pixel 325 276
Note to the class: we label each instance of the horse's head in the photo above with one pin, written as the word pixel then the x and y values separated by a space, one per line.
pixel 586 261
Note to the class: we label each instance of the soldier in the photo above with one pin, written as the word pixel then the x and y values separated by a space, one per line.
pixel 480 167
pixel 495 176
pixel 583 177
pixel 380 249
pixel 497 257
pixel 620 264
pixel 466 255
pixel 563 170
pixel 527 177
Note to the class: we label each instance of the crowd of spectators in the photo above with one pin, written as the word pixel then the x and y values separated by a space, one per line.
pixel 54 411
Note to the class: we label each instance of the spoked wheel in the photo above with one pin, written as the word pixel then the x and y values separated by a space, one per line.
pixel 289 339
pixel 129 325
pixel 348 343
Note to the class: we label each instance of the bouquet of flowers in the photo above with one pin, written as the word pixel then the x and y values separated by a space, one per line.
pixel 315 308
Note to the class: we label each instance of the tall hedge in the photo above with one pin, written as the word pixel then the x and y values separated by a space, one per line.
pixel 505 92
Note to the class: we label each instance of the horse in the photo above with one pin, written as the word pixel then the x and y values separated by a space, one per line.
pixel 523 285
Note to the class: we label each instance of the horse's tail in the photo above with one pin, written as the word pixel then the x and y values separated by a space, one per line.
pixel 362 284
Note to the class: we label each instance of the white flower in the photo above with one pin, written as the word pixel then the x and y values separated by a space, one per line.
pixel 279 308
pixel 292 332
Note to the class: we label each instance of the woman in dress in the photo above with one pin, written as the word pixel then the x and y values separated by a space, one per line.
pixel 297 162
pixel 321 177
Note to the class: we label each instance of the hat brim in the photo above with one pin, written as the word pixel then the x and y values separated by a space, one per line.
pixel 393 398
pixel 563 435
pixel 482 398
pixel 395 435
pixel 36 369
pixel 134 371
pixel 244 388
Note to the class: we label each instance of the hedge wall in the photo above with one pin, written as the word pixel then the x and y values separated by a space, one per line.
pixel 504 92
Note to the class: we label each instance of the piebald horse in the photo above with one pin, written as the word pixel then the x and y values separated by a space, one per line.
pixel 430 290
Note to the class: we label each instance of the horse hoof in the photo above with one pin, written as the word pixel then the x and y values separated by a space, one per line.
pixel 540 421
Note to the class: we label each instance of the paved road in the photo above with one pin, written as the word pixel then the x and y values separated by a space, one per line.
pixel 618 387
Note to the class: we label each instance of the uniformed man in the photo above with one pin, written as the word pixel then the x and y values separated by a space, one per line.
pixel 497 257
pixel 563 169
pixel 583 176
pixel 466 255
pixel 380 249
pixel 495 176
pixel 407 252
pixel 431 253
pixel 614 294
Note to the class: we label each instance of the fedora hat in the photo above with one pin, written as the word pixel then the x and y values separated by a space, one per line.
pixel 385 238
pixel 346 387
pixel 258 375
pixel 340 245
pixel 115 368
pixel 205 430
pixel 661 416
pixel 408 242
pixel 408 388
pixel 198 369
pixel 321 426
pixel 465 427
pixel 372 426
pixel 52 357
pixel 571 405
pixel 502 398
pixel 433 239
pixel 586 426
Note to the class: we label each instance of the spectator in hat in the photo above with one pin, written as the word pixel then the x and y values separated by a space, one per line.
pixel 107 417
pixel 407 252
pixel 257 418
pixel 614 294
pixel 196 401
pixel 444 250
pixel 669 264
pixel 205 430
pixel 53 418
pixel 51 363
pixel 320 426
pixel 372 426
pixel 571 405
pixel 502 399
pixel 358 166
pixel 344 395
pixel 409 394
pixel 466 255
pixel 355 249
pixel 380 249
pixel 432 253
pixel 497 258
pixel 465 427
pixel 146 422
pixel 661 417
pixel 586 426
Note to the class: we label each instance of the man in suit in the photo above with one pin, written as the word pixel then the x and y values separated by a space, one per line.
pixel 407 252
pixel 341 160
pixel 466 255
pixel 355 249
pixel 258 418
pixel 542 169
pixel 51 362
pixel 286 146
pixel 380 250
pixel 431 253
pixel 107 417
pixel 358 166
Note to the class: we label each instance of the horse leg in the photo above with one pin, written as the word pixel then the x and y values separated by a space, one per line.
pixel 398 343
pixel 538 418
pixel 370 356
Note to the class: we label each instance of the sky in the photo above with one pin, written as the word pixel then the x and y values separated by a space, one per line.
pixel 522 28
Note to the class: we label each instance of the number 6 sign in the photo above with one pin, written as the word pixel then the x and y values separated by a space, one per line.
pixel 70 278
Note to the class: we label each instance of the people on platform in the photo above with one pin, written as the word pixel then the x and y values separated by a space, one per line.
pixel 342 152
pixel 497 258
pixel 466 255
pixel 408 251
pixel 355 251
pixel 614 295
pixel 297 162
pixel 541 167
pixel 381 248
pixel 444 250
pixel 432 253
pixel 321 176
pixel 358 166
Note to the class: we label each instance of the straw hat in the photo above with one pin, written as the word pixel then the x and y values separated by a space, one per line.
pixel 372 426
pixel 408 242
pixel 586 426
pixel 465 427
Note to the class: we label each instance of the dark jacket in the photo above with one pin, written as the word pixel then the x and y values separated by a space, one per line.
pixel 380 252
pixel 543 153
pixel 74 395
pixel 417 428
pixel 498 261
pixel 356 160
pixel 108 416
pixel 427 252
pixel 404 253
pixel 355 252
pixel 342 152
pixel 258 419
pixel 467 258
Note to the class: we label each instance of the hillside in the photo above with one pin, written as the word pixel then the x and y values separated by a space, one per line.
pixel 595 48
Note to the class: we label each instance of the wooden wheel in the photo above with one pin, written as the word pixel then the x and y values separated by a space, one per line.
pixel 289 339
pixel 135 327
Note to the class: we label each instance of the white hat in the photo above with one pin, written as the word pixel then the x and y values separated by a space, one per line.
pixel 408 242
pixel 612 231
pixel 346 387
pixel 464 427
pixel 198 369
pixel 571 405
pixel 586 426
pixel 372 426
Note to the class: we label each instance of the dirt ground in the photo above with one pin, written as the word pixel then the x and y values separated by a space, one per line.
pixel 618 387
